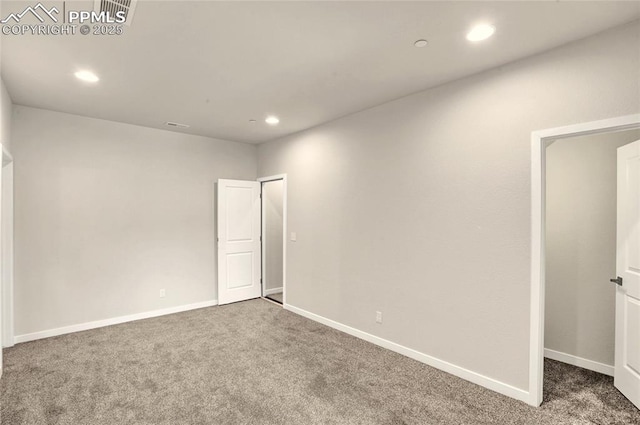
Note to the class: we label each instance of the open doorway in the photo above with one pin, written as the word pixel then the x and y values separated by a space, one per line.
pixel 579 343
pixel 580 259
pixel 273 237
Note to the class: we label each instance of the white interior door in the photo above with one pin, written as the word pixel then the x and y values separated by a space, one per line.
pixel 627 367
pixel 238 240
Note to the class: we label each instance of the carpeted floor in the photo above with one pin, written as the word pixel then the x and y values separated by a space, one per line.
pixel 255 363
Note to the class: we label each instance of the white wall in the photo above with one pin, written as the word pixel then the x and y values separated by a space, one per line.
pixel 420 208
pixel 581 245
pixel 6 110
pixel 107 214
pixel 272 197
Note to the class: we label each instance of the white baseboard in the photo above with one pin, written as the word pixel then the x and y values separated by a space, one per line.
pixel 113 321
pixel 605 369
pixel 476 378
pixel 272 291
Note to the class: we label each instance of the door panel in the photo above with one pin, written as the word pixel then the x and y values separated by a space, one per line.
pixel 239 213
pixel 632 335
pixel 238 240
pixel 627 367
pixel 239 270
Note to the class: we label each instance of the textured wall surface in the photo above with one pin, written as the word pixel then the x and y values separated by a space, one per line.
pixel 6 110
pixel 420 208
pixel 107 214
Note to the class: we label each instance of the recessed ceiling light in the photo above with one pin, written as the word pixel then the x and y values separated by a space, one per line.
pixel 252 121
pixel 87 76
pixel 481 32
pixel 272 120
pixel 421 43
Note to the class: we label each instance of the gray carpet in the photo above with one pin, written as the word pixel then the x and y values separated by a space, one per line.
pixel 275 297
pixel 254 363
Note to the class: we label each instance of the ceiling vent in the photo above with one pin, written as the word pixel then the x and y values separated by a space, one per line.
pixel 114 6
pixel 177 125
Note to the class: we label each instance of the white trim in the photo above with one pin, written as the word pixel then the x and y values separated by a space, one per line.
pixel 263 243
pixel 6 252
pixel 282 177
pixel 284 238
pixel 113 321
pixel 605 369
pixel 476 378
pixel 539 141
pixel 272 291
pixel 536 323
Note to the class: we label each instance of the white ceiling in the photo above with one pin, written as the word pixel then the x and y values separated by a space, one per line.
pixel 215 65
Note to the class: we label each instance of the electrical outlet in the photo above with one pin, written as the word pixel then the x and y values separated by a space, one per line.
pixel 163 293
pixel 294 237
pixel 378 317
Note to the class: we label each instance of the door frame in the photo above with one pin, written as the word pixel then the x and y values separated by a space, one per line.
pixel 539 142
pixel 263 242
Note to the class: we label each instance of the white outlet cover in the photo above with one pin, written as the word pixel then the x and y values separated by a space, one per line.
pixel 294 237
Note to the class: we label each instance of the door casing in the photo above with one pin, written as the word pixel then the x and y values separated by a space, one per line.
pixel 539 141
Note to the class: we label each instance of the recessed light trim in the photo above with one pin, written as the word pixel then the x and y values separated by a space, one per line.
pixel 272 120
pixel 421 43
pixel 481 32
pixel 87 76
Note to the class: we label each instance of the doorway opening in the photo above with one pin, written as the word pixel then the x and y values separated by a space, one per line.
pixel 273 241
pixel 580 258
pixel 540 141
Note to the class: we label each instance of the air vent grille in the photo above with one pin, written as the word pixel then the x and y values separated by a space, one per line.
pixel 114 6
